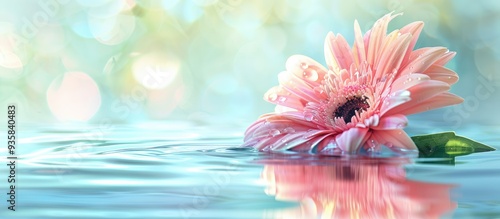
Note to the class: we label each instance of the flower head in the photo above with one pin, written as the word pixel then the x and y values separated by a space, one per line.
pixel 361 99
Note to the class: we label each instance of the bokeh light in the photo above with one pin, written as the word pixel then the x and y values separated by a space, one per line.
pixel 74 97
pixel 155 71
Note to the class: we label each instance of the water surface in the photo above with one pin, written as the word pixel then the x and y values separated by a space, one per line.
pixel 181 170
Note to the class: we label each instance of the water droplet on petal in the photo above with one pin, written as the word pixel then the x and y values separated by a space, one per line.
pixel 289 130
pixel 274 132
pixel 419 78
pixel 272 97
pixel 281 99
pixel 309 134
pixel 308 116
pixel 304 65
pixel 310 74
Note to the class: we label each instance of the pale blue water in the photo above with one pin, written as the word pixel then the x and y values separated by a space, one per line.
pixel 180 170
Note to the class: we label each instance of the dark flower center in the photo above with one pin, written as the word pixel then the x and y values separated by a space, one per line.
pixel 349 108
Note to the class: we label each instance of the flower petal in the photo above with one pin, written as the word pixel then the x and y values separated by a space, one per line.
pixel 305 68
pixel 422 58
pixel 316 140
pixel 296 86
pixel 327 145
pixel 279 96
pixel 414 29
pixel 419 94
pixel 441 73
pixel 438 101
pixel 445 58
pixel 392 56
pixel 350 140
pixel 270 125
pixel 358 49
pixel 287 141
pixel 391 122
pixel 395 137
pixel 372 121
pixel 337 52
pixel 275 143
pixel 281 132
pixel 394 100
pixel 406 81
pixel 377 36
pixel 282 109
pixel 261 144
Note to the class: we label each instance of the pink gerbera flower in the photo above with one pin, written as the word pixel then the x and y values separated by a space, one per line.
pixel 361 100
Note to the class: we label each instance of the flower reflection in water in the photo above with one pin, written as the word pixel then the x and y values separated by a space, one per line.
pixel 359 188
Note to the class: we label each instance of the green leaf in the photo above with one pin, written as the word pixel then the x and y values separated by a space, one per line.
pixel 447 145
